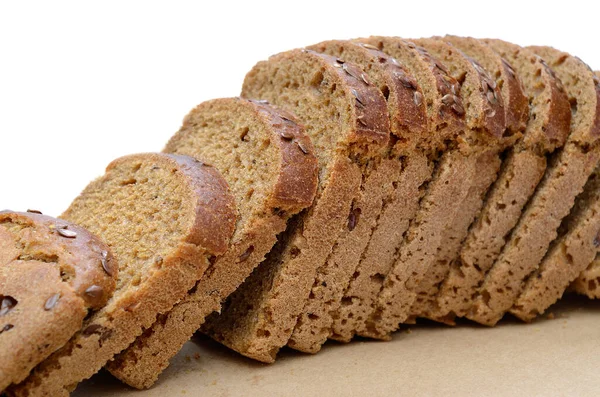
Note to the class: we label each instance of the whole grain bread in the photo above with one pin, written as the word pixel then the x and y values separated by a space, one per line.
pixel 569 255
pixel 522 169
pixel 384 185
pixel 444 121
pixel 164 217
pixel 481 136
pixel 564 179
pixel 256 147
pixel 346 118
pixel 52 273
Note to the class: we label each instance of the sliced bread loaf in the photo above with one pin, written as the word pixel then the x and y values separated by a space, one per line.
pixel 486 118
pixel 164 217
pixel 444 121
pixel 257 148
pixel 564 179
pixel 385 186
pixel 52 273
pixel 569 255
pixel 346 118
pixel 522 169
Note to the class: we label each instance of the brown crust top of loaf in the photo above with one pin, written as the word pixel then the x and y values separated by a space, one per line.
pixel 215 219
pixel 88 260
pixel 553 132
pixel 447 119
pixel 408 117
pixel 297 182
pixel 585 136
pixel 516 104
pixel 486 111
pixel 370 111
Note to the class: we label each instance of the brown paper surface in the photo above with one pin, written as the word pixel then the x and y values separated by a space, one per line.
pixel 557 356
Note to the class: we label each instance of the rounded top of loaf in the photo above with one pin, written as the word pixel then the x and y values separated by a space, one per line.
pixel 583 89
pixel 264 142
pixel 516 104
pixel 84 261
pixel 481 96
pixel 549 122
pixel 404 96
pixel 339 108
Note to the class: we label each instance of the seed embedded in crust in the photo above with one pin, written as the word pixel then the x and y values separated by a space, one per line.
pixel 361 121
pixel 406 81
pixel 95 291
pixel 358 99
pixel 369 46
pixel 364 78
pixel 131 308
pixel 51 302
pixel 8 303
pixel 448 99
pixel 63 231
pixel 458 108
pixel 287 135
pixel 262 101
pixel 302 147
pixel 353 218
pixel 417 98
pixel 491 97
pixel 7 327
pixel 246 254
pixel 104 262
pixel 597 241
pixel 35 212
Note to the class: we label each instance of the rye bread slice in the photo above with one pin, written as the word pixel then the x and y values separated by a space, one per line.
pixel 52 273
pixel 486 114
pixel 256 148
pixel 346 118
pixel 554 197
pixel 569 255
pixel 385 186
pixel 164 217
pixel 589 280
pixel 444 122
pixel 522 169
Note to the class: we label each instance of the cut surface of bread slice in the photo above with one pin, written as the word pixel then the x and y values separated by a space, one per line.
pixel 164 217
pixel 449 186
pixel 564 179
pixel 52 272
pixel 523 168
pixel 443 123
pixel 256 147
pixel 588 282
pixel 385 186
pixel 568 256
pixel 346 118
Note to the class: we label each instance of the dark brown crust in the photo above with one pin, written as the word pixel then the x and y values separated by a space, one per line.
pixel 114 327
pixel 49 310
pixel 296 184
pixel 516 104
pixel 215 221
pixel 370 111
pixel 83 253
pixel 294 189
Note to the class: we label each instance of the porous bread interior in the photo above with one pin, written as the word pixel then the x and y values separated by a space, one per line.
pixel 280 83
pixel 539 93
pixel 239 147
pixel 135 208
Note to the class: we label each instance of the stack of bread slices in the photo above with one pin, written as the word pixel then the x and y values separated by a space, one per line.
pixel 353 187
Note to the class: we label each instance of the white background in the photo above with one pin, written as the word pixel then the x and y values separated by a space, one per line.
pixel 83 83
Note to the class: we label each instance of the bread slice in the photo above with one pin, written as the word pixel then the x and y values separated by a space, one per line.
pixel 522 169
pixel 565 178
pixel 346 118
pixel 256 148
pixel 164 217
pixel 52 273
pixel 443 124
pixel 588 281
pixel 569 255
pixel 384 185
